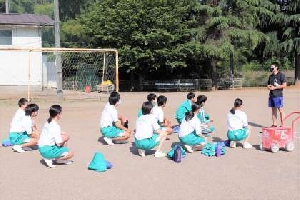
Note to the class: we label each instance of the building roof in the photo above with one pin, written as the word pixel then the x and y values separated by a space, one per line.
pixel 26 19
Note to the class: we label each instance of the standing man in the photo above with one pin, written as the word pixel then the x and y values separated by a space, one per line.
pixel 276 83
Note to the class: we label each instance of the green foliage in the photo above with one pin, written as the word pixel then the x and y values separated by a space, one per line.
pixel 149 34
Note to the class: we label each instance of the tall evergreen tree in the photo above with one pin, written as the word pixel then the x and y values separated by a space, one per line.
pixel 226 27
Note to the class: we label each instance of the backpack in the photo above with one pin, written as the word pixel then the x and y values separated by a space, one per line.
pixel 177 154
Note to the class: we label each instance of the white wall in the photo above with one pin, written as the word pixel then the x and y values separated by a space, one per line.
pixel 15 67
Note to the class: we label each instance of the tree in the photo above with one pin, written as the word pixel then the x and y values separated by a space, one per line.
pixel 227 27
pixel 286 20
pixel 149 34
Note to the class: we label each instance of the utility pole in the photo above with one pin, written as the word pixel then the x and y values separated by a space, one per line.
pixel 58 54
pixel 6 7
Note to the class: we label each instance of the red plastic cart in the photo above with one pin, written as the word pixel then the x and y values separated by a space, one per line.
pixel 274 138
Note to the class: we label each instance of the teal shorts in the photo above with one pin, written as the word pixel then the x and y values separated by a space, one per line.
pixel 148 143
pixel 19 138
pixel 192 139
pixel 51 152
pixel 238 135
pixel 111 132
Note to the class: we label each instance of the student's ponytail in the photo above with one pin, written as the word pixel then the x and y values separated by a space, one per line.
pixel 54 111
pixel 189 115
pixel 49 120
pixel 232 111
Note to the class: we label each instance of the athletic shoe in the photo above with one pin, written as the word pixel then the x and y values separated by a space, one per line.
pixel 49 162
pixel 247 145
pixel 108 141
pixel 141 152
pixel 188 148
pixel 18 148
pixel 65 162
pixel 232 144
pixel 198 147
pixel 159 154
pixel 27 148
pixel 121 142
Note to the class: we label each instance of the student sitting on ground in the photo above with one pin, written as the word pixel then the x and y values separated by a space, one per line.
pixel 158 112
pixel 237 124
pixel 185 107
pixel 53 142
pixel 151 98
pixel 190 132
pixel 204 117
pixel 23 134
pixel 148 132
pixel 111 124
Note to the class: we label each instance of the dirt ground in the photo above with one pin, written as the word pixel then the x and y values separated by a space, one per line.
pixel 240 174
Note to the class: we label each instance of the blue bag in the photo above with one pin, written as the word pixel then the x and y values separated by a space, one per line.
pixel 177 153
pixel 7 143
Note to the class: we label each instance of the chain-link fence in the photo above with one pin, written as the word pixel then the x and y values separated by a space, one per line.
pixel 76 69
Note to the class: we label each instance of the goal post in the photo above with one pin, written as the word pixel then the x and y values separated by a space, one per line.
pixel 35 69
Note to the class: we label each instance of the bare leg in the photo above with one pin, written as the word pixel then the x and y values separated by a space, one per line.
pixel 274 115
pixel 126 136
pixel 162 139
pixel 282 115
pixel 32 142
pixel 67 157
pixel 249 133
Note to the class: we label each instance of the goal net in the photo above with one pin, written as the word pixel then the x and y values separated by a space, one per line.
pixel 37 69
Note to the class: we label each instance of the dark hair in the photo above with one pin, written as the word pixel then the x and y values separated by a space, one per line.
pixel 146 107
pixel 201 99
pixel 151 97
pixel 190 95
pixel 276 64
pixel 22 102
pixel 30 108
pixel 54 111
pixel 161 100
pixel 237 103
pixel 114 98
pixel 190 114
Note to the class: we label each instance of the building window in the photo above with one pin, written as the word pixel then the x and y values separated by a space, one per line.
pixel 5 37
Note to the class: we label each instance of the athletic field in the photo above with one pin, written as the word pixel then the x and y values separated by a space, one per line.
pixel 240 174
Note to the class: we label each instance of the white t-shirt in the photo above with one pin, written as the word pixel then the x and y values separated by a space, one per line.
pixel 236 121
pixel 108 116
pixel 187 127
pixel 25 125
pixel 158 112
pixel 145 126
pixel 16 121
pixel 51 134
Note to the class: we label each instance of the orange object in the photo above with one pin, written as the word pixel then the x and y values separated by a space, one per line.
pixel 274 138
pixel 87 89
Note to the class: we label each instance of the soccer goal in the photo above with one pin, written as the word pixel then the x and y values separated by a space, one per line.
pixel 37 69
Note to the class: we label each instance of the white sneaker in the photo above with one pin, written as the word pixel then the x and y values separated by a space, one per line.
pixel 247 145
pixel 49 162
pixel 141 152
pixel 188 148
pixel 232 144
pixel 18 148
pixel 159 154
pixel 65 162
pixel 108 141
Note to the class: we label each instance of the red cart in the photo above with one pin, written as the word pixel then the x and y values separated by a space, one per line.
pixel 274 138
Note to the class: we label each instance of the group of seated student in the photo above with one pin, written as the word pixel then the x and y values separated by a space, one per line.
pixel 152 126
pixel 151 130
pixel 51 142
